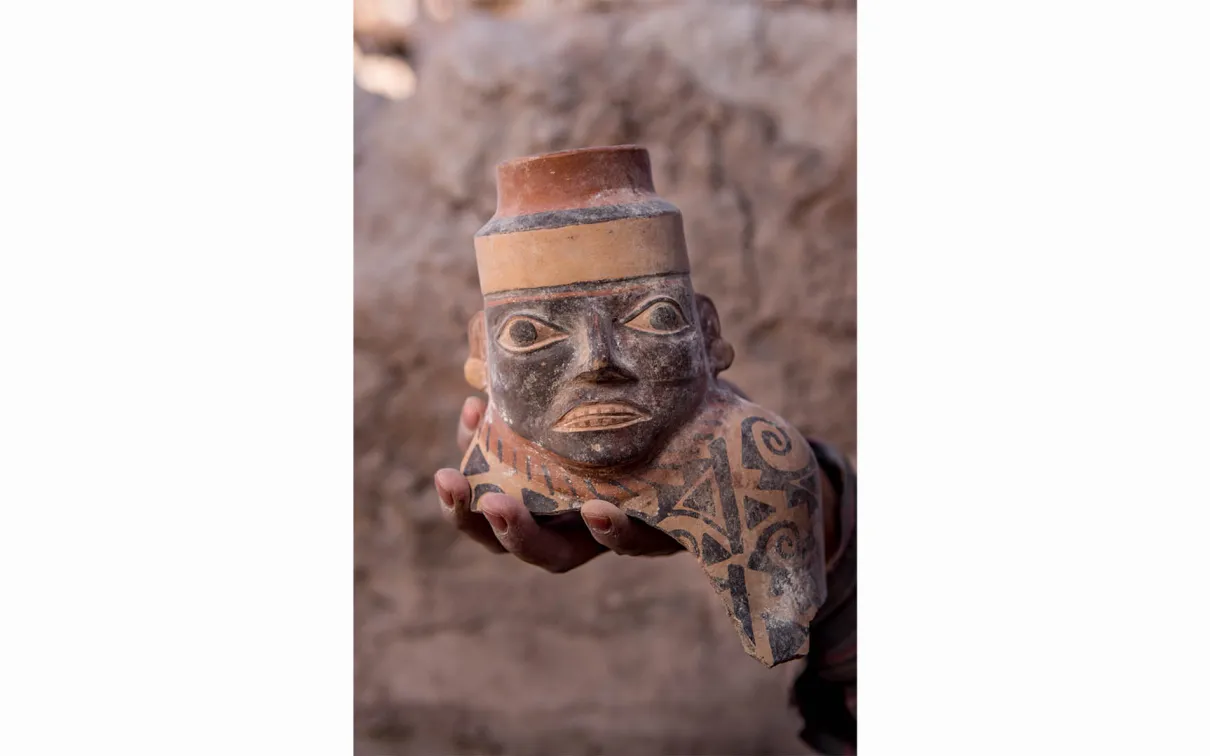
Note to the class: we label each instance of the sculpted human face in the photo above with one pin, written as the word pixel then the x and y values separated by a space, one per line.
pixel 599 374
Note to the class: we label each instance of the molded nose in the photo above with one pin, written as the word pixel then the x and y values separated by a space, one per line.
pixel 607 373
pixel 600 365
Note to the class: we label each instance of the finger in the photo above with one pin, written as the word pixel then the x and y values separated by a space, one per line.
pixel 454 490
pixel 552 549
pixel 612 528
pixel 468 421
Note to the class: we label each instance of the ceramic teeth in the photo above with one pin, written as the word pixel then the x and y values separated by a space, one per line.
pixel 605 409
pixel 603 415
pixel 600 421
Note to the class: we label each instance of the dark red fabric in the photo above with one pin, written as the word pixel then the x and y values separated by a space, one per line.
pixel 825 693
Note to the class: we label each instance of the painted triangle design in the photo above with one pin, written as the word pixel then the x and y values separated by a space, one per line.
pixel 536 502
pixel 785 638
pixel 476 464
pixel 712 550
pixel 701 499
pixel 756 512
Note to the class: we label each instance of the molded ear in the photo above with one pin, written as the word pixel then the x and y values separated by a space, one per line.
pixel 721 353
pixel 475 369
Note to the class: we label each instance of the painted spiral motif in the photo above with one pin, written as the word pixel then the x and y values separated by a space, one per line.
pixel 774 445
pixel 785 545
pixel 783 553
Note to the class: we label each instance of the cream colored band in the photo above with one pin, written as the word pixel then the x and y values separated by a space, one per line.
pixel 573 254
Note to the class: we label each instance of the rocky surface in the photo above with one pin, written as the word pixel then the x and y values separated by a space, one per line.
pixel 749 114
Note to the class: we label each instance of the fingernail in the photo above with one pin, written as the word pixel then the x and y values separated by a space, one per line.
pixel 497 522
pixel 441 495
pixel 598 523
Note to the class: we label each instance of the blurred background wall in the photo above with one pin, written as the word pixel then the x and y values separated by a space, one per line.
pixel 748 109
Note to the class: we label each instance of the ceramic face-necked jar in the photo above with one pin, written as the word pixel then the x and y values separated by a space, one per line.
pixel 600 363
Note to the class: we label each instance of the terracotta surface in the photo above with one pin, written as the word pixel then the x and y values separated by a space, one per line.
pixel 584 177
pixel 601 386
pixel 569 254
pixel 749 114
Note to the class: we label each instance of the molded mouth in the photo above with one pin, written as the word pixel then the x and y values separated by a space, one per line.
pixel 597 416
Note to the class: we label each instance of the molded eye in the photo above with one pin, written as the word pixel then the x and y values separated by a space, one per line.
pixel 660 316
pixel 522 334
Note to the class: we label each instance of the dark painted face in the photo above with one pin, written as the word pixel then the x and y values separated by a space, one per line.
pixel 599 374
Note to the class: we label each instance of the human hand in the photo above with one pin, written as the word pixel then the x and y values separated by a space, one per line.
pixel 559 543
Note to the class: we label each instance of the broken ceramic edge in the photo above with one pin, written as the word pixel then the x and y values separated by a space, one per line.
pixel 716 488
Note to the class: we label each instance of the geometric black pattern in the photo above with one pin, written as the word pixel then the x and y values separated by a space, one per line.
pixel 712 550
pixel 536 502
pixel 785 638
pixel 739 599
pixel 701 499
pixel 756 512
pixel 476 465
